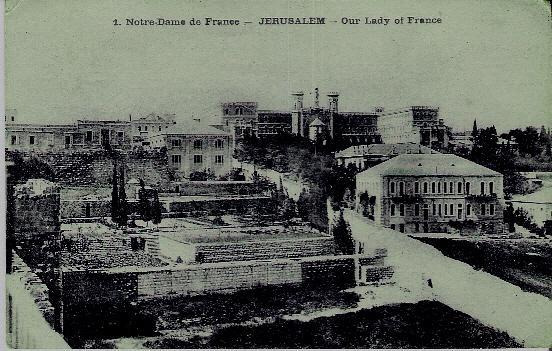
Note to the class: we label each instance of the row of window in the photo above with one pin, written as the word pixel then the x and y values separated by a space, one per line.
pixel 198 144
pixel 441 188
pixel 198 159
pixel 439 209
pixel 146 128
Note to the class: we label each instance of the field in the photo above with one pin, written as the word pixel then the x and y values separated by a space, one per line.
pixel 422 325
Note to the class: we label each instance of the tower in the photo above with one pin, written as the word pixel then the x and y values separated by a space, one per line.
pixel 333 98
pixel 296 113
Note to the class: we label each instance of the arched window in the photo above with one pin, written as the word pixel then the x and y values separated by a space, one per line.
pixel 491 188
pixel 468 210
pixel 392 209
pixel 482 188
pixel 451 187
pixel 459 187
pixel 425 187
pixel 433 187
pixel 401 210
pixel 401 188
pixel 198 144
pixel 468 188
pixel 392 188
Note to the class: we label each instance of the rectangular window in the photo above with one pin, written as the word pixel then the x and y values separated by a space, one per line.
pixel 219 159
pixel 176 159
pixel 468 210
pixel 451 209
pixel 198 159
pixel 491 187
pixel 440 211
pixel 219 144
pixel 416 210
pixel 392 210
pixel 120 135
pixel 438 187
pixel 434 209
pixel 89 136
pixel 416 187
pixel 31 139
pixel 446 210
pixel 417 227
pixel 401 188
pixel 468 188
pixel 176 143
pixel 401 228
pixel 451 187
pixel 459 187
pixel 13 139
pixel 482 188
pixel 444 187
pixel 491 210
pixel 198 144
pixel 393 226
pixel 483 210
pixel 401 210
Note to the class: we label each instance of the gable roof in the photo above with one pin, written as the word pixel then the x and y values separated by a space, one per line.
pixel 429 165
pixel 317 123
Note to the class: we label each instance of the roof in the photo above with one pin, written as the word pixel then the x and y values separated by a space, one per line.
pixel 193 128
pixel 385 149
pixel 317 123
pixel 429 164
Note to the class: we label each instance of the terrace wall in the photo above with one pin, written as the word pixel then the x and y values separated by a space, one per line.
pixel 262 250
pixel 96 167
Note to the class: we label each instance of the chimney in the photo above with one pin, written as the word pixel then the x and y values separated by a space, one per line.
pixel 130 117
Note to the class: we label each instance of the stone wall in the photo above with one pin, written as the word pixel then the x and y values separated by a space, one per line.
pixel 211 205
pixel 85 208
pixel 29 312
pixel 261 250
pixel 96 167
pixel 216 188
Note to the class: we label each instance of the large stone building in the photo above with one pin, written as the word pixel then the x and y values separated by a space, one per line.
pixel 243 118
pixel 432 193
pixel 195 147
pixel 84 134
pixel 414 124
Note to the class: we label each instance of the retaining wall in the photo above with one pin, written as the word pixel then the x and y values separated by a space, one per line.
pixel 267 249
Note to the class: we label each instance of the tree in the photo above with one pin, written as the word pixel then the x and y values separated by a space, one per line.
pixel 343 237
pixel 123 216
pixel 115 197
pixel 474 129
pixel 144 208
pixel 156 215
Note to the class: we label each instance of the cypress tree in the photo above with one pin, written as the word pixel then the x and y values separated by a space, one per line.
pixel 115 197
pixel 123 217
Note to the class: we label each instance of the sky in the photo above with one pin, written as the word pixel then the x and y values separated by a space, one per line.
pixel 490 60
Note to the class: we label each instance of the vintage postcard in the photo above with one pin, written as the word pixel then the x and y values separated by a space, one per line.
pixel 264 174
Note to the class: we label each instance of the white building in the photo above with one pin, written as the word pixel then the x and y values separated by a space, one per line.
pixel 432 193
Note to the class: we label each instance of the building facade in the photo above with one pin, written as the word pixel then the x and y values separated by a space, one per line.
pixel 416 193
pixel 150 124
pixel 196 148
pixel 243 118
pixel 414 124
pixel 85 134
